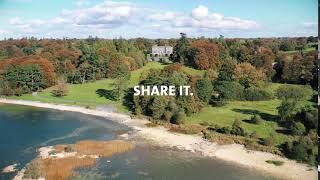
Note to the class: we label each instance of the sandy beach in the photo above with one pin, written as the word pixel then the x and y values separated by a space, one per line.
pixel 233 153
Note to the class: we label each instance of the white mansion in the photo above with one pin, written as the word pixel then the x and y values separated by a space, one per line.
pixel 161 50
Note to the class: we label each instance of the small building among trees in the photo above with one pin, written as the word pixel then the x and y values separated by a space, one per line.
pixel 161 50
pixel 160 53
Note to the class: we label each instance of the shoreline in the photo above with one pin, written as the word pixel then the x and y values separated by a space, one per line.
pixel 234 153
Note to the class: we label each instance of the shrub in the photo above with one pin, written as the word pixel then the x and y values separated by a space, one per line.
pixel 295 92
pixel 151 124
pixel 217 102
pixel 61 89
pixel 277 163
pixel 224 130
pixel 237 129
pixel 298 129
pixel 270 141
pixel 287 109
pixel 167 115
pixel 204 123
pixel 187 129
pixel 309 117
pixel 257 94
pixel 229 90
pixel 302 150
pixel 219 129
pixel 179 117
pixel 18 91
pixel 256 119
pixel 204 90
pixel 254 135
pixel 5 88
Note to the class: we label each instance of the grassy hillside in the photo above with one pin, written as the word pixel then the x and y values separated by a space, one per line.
pixel 244 110
pixel 85 94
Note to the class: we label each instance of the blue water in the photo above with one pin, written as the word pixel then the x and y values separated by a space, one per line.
pixel 24 129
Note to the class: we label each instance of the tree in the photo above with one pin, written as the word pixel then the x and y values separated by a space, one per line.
pixel 28 77
pixel 88 54
pixel 298 129
pixel 229 90
pixel 61 88
pixel 299 70
pixel 29 51
pixel 204 55
pixel 295 92
pixel 5 88
pixel 227 70
pixel 287 45
pixel 287 109
pixel 263 60
pixel 158 107
pixel 180 50
pixel 179 117
pixel 302 150
pixel 247 75
pixel 44 65
pixel 237 129
pixel 204 90
pixel 86 72
pixel 120 85
pixel 257 94
pixel 122 71
pixel 309 117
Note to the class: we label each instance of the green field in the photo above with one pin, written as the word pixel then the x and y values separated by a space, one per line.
pixel 85 94
pixel 242 110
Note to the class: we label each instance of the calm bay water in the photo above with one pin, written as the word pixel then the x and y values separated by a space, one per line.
pixel 24 129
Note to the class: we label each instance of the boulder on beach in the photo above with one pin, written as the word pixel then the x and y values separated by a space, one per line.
pixel 10 168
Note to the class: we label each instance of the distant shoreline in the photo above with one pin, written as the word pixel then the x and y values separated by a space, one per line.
pixel 233 153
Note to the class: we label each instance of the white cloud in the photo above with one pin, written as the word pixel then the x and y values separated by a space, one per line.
pixel 108 14
pixel 124 18
pixel 59 20
pixel 82 2
pixel 162 16
pixel 15 21
pixel 310 24
pixel 200 12
pixel 202 19
pixel 3 31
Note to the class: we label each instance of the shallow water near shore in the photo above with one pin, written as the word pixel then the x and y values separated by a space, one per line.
pixel 24 129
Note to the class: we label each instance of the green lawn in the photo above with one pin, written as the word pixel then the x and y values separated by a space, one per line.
pixel 85 94
pixel 242 110
pixel 309 49
pixel 192 71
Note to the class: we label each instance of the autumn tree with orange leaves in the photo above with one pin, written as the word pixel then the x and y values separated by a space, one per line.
pixel 204 55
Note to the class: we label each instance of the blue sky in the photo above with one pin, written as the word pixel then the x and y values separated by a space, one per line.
pixel 157 19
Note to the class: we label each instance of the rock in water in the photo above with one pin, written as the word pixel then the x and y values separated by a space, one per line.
pixel 9 169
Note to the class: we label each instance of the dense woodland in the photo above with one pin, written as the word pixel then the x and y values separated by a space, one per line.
pixel 235 70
